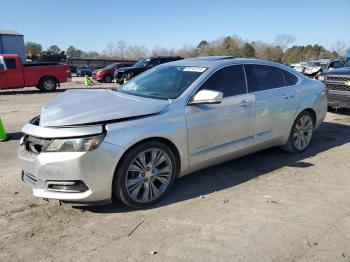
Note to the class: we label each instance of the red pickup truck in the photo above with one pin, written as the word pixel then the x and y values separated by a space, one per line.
pixel 45 76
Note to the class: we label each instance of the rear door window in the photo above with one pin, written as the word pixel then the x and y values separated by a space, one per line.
pixel 229 80
pixel 10 63
pixel 262 77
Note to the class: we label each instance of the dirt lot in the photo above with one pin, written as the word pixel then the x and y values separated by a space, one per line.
pixel 270 206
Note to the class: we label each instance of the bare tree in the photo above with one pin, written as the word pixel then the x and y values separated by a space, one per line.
pixel 137 52
pixel 110 50
pixel 284 41
pixel 122 45
pixel 159 51
pixel 340 48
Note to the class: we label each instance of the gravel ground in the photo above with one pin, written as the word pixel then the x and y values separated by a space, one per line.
pixel 269 206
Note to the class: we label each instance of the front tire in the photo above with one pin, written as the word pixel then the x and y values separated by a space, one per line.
pixel 301 134
pixel 145 174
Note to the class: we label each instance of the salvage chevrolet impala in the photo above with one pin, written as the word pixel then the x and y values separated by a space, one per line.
pixel 90 145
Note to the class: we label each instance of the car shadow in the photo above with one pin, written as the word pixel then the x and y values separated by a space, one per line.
pixel 28 92
pixel 241 170
pixel 14 136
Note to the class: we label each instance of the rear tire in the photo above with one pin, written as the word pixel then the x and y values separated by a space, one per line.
pixel 145 174
pixel 48 84
pixel 301 133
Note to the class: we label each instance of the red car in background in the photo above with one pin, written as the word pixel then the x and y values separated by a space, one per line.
pixel 44 76
pixel 106 74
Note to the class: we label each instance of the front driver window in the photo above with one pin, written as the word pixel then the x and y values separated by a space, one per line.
pixel 229 80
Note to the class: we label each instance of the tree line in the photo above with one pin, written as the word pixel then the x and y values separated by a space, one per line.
pixel 281 50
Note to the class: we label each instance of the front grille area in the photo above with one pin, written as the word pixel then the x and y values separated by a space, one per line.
pixel 338 87
pixel 338 78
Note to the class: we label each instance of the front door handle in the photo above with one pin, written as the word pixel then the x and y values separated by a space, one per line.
pixel 244 103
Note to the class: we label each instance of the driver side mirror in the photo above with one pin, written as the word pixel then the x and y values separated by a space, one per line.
pixel 207 97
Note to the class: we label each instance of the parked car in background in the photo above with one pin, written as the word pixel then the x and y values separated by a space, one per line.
pixel 73 69
pixel 314 68
pixel 338 85
pixel 86 70
pixel 174 119
pixel 142 65
pixel 330 64
pixel 45 76
pixel 311 68
pixel 107 74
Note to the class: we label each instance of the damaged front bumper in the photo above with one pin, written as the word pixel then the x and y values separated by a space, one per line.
pixel 76 177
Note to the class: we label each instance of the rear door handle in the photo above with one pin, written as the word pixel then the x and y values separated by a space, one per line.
pixel 244 103
pixel 288 96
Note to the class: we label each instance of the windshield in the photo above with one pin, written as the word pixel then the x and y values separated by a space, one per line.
pixel 142 63
pixel 165 82
pixel 111 66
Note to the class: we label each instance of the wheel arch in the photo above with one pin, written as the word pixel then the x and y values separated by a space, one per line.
pixel 163 140
pixel 312 112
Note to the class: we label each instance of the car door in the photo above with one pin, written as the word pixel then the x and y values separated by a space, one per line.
pixel 3 82
pixel 275 102
pixel 215 131
pixel 13 73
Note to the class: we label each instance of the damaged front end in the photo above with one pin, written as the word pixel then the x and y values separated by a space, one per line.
pixel 66 163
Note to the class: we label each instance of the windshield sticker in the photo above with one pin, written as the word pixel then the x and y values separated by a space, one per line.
pixel 195 69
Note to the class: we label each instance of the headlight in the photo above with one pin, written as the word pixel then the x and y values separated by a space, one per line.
pixel 75 144
pixel 321 78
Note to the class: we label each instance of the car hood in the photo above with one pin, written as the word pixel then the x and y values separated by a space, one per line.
pixel 338 71
pixel 79 107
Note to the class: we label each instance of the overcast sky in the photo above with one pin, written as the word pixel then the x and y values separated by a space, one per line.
pixel 92 25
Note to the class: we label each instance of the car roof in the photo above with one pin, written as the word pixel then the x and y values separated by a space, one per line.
pixel 218 61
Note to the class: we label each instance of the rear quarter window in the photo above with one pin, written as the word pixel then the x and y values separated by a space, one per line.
pixel 290 79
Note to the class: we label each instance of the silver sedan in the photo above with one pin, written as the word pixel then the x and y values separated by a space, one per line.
pixel 132 142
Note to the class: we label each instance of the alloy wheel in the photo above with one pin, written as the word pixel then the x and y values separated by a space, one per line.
pixel 49 84
pixel 148 175
pixel 303 132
